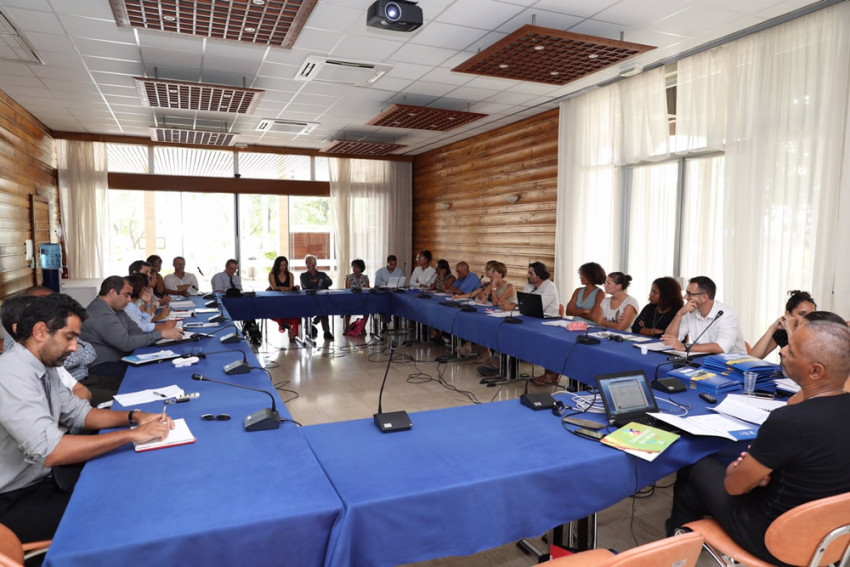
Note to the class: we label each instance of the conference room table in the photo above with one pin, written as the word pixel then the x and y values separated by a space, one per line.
pixel 534 341
pixel 230 498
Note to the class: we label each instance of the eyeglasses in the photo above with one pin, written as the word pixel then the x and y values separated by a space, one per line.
pixel 689 294
pixel 219 417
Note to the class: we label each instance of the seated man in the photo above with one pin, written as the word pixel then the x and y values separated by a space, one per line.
pixel 228 279
pixel 314 279
pixel 114 335
pixel 423 274
pixel 797 457
pixel 33 403
pixel 180 282
pixel 157 283
pixel 540 282
pixel 700 311
pixel 466 281
pixel 391 270
pixel 75 367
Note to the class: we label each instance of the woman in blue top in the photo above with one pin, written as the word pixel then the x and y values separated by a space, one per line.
pixel 586 301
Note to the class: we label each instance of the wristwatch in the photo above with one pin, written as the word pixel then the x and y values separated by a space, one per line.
pixel 131 415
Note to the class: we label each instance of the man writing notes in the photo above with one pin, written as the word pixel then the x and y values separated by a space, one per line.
pixel 797 457
pixel 33 404
pixel 180 282
pixel 700 311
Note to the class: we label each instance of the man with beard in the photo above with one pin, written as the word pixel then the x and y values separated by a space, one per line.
pixel 797 457
pixel 36 410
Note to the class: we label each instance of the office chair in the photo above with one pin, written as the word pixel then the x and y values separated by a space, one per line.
pixel 813 534
pixel 680 551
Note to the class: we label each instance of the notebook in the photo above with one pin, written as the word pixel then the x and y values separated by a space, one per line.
pixel 627 397
pixel 530 304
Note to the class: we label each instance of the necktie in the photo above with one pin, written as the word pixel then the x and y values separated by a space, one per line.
pixel 231 281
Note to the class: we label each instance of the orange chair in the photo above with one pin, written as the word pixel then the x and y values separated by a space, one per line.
pixel 814 534
pixel 11 550
pixel 679 551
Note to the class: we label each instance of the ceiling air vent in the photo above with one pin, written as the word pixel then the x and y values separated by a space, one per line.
pixel 318 68
pixel 293 127
pixel 194 137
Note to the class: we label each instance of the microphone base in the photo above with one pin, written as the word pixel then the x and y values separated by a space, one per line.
pixel 209 296
pixel 392 421
pixel 424 295
pixel 587 340
pixel 513 320
pixel 683 363
pixel 212 303
pixel 450 304
pixel 263 420
pixel 469 308
pixel 237 367
pixel 230 338
pixel 537 401
pixel 217 319
pixel 400 290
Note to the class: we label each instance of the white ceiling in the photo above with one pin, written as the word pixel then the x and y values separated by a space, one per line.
pixel 86 83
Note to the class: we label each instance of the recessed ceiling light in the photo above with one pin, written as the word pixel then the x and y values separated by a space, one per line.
pixel 226 95
pixel 592 56
pixel 169 18
pixel 554 73
pixel 504 66
pixel 250 30
pixel 258 2
pixel 539 48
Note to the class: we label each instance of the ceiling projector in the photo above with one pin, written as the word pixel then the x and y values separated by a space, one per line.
pixel 394 15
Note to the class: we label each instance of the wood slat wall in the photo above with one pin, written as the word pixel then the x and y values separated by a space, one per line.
pixel 475 176
pixel 27 166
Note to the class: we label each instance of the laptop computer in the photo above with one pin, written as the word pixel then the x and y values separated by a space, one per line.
pixel 395 282
pixel 530 304
pixel 627 397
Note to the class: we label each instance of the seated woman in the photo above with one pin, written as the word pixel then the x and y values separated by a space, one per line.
pixel 620 309
pixel 798 305
pixel 586 301
pixel 444 279
pixel 482 291
pixel 281 279
pixel 356 280
pixel 141 309
pixel 665 299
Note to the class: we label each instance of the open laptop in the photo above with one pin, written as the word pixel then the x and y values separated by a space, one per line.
pixel 395 282
pixel 530 304
pixel 627 397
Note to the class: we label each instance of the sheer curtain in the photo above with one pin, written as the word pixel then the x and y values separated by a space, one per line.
pixel 82 195
pixel 623 123
pixel 588 205
pixel 784 152
pixel 372 208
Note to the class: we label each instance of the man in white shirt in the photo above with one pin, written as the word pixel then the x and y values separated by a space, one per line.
pixel 391 270
pixel 423 275
pixel 539 282
pixel 693 320
pixel 227 279
pixel 180 282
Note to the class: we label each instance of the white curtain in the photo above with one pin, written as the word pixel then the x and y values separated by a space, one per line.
pixel 625 123
pixel 588 205
pixel 784 152
pixel 701 101
pixel 82 195
pixel 372 207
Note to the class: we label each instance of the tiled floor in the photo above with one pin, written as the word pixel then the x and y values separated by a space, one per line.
pixel 340 381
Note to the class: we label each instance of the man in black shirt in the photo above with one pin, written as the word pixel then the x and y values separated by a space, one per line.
pixel 796 458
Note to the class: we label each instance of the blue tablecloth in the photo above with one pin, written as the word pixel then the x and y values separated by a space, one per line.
pixel 276 304
pixel 231 498
pixel 472 478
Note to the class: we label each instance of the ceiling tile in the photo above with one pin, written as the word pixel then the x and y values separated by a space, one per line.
pixel 373 51
pixel 483 43
pixel 331 17
pixel 87 8
pixel 450 36
pixel 46 42
pixel 422 54
pixel 32 20
pixel 114 65
pixel 542 18
pixel 431 89
pixel 637 13
pixel 583 8
pixel 318 40
pixel 115 50
pixel 104 30
pixel 470 94
pixel 481 14
pixel 447 76
pixel 166 58
pixel 411 71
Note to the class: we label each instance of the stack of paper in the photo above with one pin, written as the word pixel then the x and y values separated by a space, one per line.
pixel 748 408
pixel 180 435
pixel 734 366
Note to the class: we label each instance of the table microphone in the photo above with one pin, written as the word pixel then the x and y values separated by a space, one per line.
pixel 514 320
pixel 686 360
pixel 228 338
pixel 259 420
pixel 424 294
pixel 235 367
pixel 393 420
pixel 586 339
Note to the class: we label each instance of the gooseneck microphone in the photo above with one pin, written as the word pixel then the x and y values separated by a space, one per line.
pixel 394 420
pixel 514 320
pixel 259 420
pixel 401 288
pixel 686 360
pixel 423 294
pixel 229 337
pixel 235 367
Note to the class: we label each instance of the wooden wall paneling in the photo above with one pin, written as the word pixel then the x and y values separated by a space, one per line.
pixel 27 168
pixel 474 177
